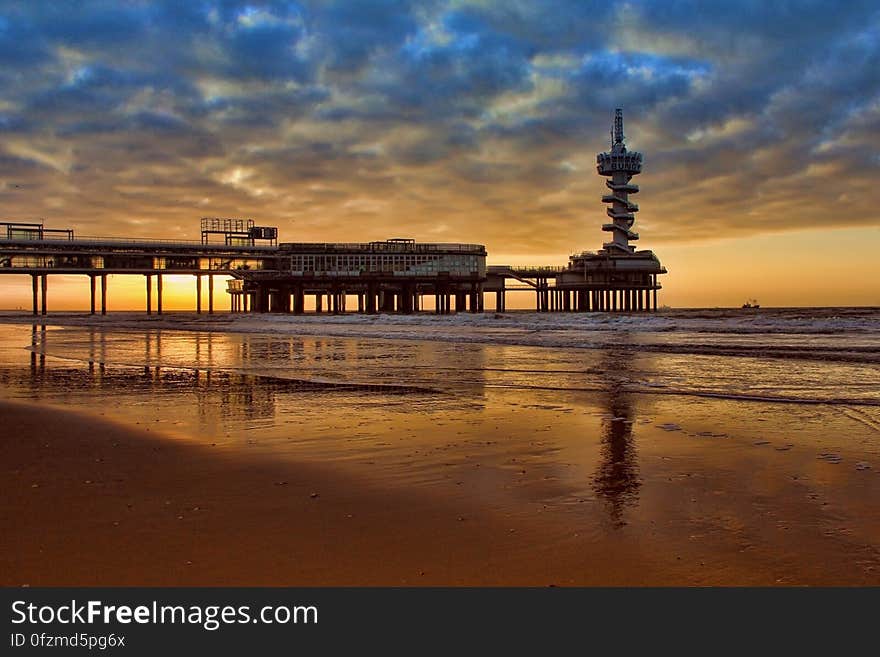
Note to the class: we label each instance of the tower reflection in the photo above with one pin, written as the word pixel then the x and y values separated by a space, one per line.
pixel 617 479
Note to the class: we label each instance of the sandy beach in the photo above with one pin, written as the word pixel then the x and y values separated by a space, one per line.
pixel 154 455
pixel 89 502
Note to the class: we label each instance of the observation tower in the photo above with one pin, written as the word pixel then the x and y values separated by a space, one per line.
pixel 620 165
pixel 616 277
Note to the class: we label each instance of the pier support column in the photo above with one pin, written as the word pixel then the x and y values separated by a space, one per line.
pixel 91 294
pixel 44 285
pixel 404 300
pixel 654 285
pixel 199 294
pixel 263 293
pixel 103 294
pixel 159 293
pixel 149 294
pixel 34 285
pixel 210 294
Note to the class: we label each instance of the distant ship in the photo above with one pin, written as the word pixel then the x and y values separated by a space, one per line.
pixel 751 303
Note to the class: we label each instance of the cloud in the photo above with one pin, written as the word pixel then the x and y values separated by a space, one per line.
pixel 362 119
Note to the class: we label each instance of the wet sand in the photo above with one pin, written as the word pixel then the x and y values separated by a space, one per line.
pixel 92 502
pixel 89 502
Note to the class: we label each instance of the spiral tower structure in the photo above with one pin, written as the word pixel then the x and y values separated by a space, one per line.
pixel 619 165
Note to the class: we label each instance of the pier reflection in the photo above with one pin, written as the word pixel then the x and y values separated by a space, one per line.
pixel 617 478
pixel 216 384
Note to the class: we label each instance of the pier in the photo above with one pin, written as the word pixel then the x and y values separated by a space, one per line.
pixel 389 276
pixel 395 275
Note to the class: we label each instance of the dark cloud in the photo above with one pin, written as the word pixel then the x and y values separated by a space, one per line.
pixel 348 33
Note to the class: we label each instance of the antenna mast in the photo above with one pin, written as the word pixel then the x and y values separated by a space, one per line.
pixel 618 126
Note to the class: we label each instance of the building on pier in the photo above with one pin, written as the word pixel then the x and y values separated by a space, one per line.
pixel 617 277
pixel 393 275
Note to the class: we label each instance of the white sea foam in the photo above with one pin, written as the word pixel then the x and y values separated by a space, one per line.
pixel 826 334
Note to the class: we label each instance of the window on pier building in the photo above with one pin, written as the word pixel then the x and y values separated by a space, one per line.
pixel 421 264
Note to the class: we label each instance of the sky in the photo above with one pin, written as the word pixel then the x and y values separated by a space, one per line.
pixel 458 121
